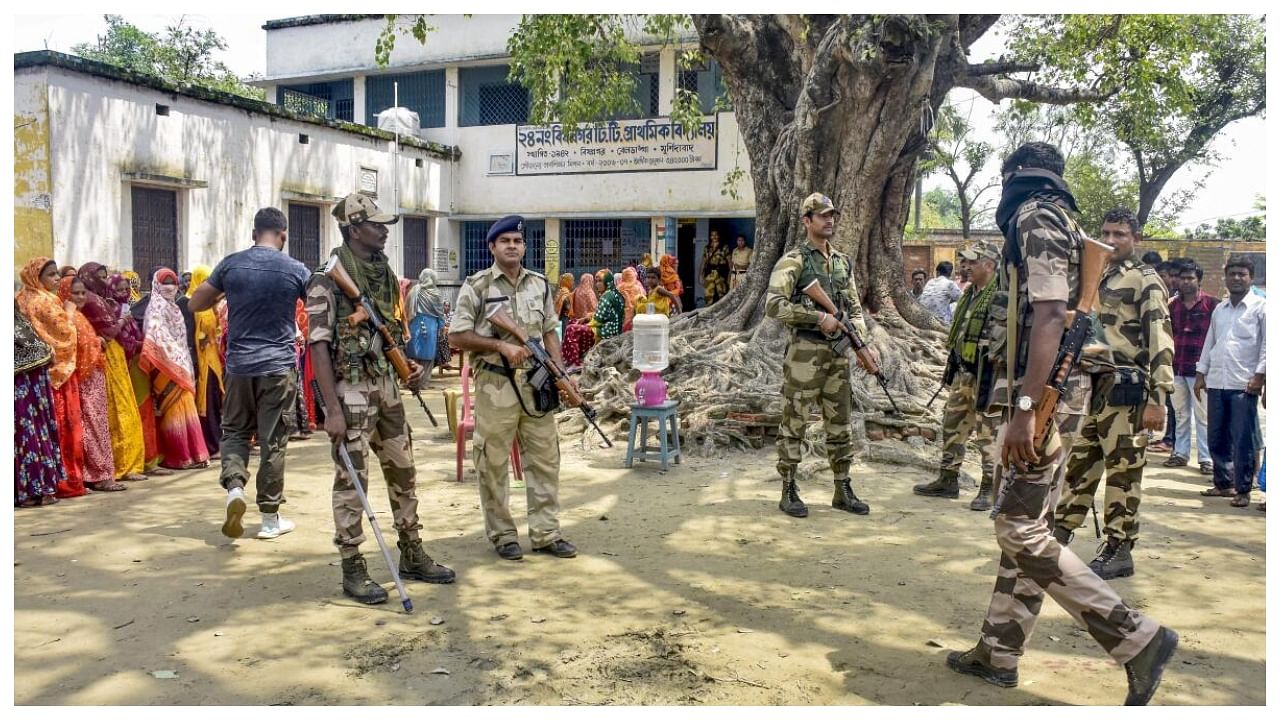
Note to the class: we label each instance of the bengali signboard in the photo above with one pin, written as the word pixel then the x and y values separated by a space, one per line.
pixel 651 145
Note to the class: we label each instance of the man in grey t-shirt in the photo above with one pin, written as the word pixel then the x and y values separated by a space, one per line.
pixel 262 286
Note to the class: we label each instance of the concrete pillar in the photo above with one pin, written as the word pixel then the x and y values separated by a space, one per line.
pixel 271 93
pixel 451 97
pixel 666 80
pixel 358 100
pixel 551 263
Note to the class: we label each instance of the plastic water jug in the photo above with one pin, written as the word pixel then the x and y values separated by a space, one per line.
pixel 649 355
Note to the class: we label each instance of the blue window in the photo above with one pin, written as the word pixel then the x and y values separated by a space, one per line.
pixel 421 92
pixel 475 251
pixel 707 81
pixel 486 98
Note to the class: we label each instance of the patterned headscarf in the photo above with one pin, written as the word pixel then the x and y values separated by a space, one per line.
pixel 165 345
pixel 424 298
pixel 50 320
pixel 670 276
pixel 584 297
pixel 631 290
pixel 130 337
pixel 135 286
pixel 88 346
pixel 102 311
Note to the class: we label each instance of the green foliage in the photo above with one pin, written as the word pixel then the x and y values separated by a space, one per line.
pixel 181 54
pixel 1253 227
pixel 1176 80
pixel 953 152
pixel 1099 187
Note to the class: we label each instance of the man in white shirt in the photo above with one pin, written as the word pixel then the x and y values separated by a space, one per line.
pixel 1233 367
pixel 940 292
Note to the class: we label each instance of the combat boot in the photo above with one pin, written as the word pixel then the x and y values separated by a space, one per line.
pixel 844 499
pixel 946 486
pixel 982 501
pixel 1147 667
pixel 357 584
pixel 1115 560
pixel 1063 535
pixel 416 564
pixel 791 503
pixel 978 662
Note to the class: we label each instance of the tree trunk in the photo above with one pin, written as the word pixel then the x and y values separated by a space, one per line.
pixel 831 105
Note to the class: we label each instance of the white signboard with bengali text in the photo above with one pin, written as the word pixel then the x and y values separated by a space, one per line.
pixel 650 145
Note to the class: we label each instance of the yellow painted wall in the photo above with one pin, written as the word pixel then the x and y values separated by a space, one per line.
pixel 32 176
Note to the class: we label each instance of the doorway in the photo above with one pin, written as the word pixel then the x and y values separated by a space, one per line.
pixel 686 256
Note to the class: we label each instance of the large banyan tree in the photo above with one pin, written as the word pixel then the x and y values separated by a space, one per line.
pixel 841 104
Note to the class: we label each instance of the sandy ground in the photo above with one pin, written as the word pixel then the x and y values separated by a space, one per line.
pixel 690 588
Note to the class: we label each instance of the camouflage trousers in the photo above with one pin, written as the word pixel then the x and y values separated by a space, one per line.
pixel 499 422
pixel 713 286
pixel 813 372
pixel 1032 563
pixel 960 418
pixel 1108 443
pixel 375 421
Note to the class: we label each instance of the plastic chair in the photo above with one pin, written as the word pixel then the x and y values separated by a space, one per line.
pixel 468 425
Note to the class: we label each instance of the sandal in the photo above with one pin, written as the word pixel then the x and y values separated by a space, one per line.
pixel 34 502
pixel 134 477
pixel 1241 500
pixel 158 471
pixel 112 486
pixel 1218 492
pixel 50 500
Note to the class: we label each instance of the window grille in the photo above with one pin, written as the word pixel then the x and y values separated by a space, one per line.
pixel 421 92
pixel 486 98
pixel 590 245
pixel 705 80
pixel 475 251
pixel 332 100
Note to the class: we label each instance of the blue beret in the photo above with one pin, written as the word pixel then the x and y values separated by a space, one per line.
pixel 510 223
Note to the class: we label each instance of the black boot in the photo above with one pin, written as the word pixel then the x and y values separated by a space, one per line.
pixel 844 499
pixel 978 662
pixel 982 501
pixel 1063 535
pixel 791 503
pixel 1145 670
pixel 946 486
pixel 416 564
pixel 357 584
pixel 1115 559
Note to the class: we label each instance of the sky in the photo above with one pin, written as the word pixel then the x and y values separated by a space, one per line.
pixel 1229 191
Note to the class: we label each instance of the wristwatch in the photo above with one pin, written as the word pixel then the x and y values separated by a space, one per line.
pixel 1025 404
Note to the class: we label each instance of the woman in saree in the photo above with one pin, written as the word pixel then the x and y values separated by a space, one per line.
pixel 669 272
pixel 166 358
pixel 426 311
pixel 631 290
pixel 91 372
pixel 584 298
pixel 207 363
pixel 37 459
pixel 128 447
pixel 612 308
pixel 564 302
pixel 49 317
pixel 127 291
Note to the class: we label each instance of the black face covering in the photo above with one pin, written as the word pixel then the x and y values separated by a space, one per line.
pixel 1023 185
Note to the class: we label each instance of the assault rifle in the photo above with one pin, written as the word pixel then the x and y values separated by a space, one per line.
pixel 547 368
pixel 948 374
pixel 1093 261
pixel 851 338
pixel 366 311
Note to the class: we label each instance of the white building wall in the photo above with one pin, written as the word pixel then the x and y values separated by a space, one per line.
pixel 104 130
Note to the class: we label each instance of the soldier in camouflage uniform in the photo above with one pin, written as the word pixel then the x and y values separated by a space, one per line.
pixel 813 371
pixel 505 409
pixel 1040 280
pixel 965 411
pixel 1128 399
pixel 359 388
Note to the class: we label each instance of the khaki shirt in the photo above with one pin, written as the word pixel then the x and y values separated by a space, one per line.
pixel 531 304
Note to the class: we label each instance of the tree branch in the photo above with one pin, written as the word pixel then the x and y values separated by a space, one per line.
pixel 973 27
pixel 1000 67
pixel 996 89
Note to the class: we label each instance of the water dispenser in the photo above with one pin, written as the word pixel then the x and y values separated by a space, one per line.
pixel 650 331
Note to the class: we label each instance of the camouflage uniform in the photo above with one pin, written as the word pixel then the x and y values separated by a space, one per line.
pixel 960 419
pixel 1134 318
pixel 500 417
pixel 813 370
pixel 1032 562
pixel 370 399
pixel 714 286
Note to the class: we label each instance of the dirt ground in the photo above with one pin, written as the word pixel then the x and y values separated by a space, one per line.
pixel 690 588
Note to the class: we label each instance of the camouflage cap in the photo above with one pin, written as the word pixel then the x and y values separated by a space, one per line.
pixel 981 249
pixel 817 203
pixel 357 208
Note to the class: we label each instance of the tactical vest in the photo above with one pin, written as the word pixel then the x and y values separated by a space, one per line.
pixel 357 352
pixel 835 284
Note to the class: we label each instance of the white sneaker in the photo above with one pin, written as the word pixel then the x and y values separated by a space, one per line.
pixel 273 526
pixel 233 527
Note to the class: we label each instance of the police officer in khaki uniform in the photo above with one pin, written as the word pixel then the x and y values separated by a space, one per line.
pixel 813 371
pixel 364 407
pixel 505 404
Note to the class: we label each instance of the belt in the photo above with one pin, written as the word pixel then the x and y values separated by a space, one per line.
pixel 739 272
pixel 812 335
pixel 498 369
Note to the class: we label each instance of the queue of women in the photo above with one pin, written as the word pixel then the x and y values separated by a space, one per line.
pixel 111 385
